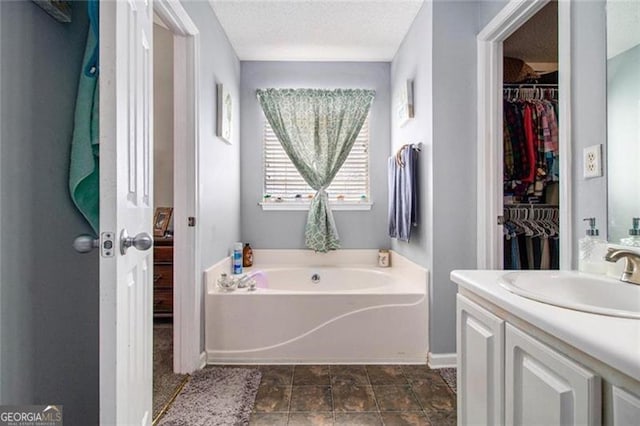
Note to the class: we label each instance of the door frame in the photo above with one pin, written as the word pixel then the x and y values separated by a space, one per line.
pixel 187 291
pixel 490 131
pixel 1 233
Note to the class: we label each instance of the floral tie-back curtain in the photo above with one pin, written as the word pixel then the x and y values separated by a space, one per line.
pixel 317 129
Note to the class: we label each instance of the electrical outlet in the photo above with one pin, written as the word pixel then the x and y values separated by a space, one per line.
pixel 593 161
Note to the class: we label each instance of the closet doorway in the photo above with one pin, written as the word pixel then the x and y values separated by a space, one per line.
pixel 524 143
pixel 531 177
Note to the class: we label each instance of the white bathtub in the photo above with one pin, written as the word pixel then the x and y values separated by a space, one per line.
pixel 356 313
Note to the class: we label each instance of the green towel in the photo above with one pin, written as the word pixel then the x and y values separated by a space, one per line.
pixel 84 184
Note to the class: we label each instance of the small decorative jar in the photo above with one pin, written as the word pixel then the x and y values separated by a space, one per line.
pixel 227 283
pixel 384 258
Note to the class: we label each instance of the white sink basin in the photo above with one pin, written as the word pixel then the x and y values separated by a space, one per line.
pixel 574 290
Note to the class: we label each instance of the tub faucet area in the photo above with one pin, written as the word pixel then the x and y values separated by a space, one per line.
pixel 246 281
pixel 631 273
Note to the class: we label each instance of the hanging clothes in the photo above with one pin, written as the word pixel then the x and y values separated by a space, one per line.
pixel 84 184
pixel 531 237
pixel 530 147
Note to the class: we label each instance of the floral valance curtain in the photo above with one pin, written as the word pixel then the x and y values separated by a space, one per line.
pixel 317 129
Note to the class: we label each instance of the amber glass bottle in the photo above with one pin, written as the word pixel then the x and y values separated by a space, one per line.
pixel 247 256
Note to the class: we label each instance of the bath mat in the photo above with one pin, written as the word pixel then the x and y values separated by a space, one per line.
pixel 165 381
pixel 449 376
pixel 215 396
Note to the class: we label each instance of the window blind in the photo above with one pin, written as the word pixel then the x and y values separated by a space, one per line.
pixel 281 179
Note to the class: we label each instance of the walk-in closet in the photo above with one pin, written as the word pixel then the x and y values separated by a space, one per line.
pixel 530 144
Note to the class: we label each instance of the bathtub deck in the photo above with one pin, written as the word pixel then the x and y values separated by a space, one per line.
pixel 353 394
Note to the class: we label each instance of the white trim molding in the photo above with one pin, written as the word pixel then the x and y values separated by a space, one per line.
pixel 304 206
pixel 436 361
pixel 1 233
pixel 187 307
pixel 203 360
pixel 490 150
pixel 565 145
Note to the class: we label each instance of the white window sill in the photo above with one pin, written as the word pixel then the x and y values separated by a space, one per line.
pixel 303 205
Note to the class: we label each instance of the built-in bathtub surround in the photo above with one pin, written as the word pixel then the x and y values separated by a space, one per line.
pixel 332 308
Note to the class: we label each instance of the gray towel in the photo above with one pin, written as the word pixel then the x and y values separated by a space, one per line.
pixel 403 195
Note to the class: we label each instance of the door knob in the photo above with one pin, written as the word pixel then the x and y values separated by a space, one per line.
pixel 84 243
pixel 142 241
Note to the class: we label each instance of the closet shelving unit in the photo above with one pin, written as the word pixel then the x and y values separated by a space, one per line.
pixel 531 91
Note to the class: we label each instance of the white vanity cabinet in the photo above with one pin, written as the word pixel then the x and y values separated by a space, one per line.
pixel 480 341
pixel 506 376
pixel 544 387
pixel 626 408
pixel 523 362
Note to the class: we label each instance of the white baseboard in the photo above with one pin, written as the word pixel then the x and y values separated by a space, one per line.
pixel 442 360
pixel 216 359
pixel 203 360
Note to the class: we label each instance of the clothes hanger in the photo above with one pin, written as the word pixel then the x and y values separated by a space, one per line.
pixel 521 220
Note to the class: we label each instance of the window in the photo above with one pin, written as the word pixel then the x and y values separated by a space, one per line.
pixel 285 189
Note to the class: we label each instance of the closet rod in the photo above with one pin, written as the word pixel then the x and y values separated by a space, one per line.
pixel 528 85
pixel 522 205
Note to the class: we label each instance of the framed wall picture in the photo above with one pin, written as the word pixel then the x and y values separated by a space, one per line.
pixel 224 121
pixel 161 220
pixel 404 103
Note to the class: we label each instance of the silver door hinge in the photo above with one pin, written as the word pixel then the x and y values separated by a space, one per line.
pixel 500 220
pixel 191 221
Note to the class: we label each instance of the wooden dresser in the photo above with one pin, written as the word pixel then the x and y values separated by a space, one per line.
pixel 163 277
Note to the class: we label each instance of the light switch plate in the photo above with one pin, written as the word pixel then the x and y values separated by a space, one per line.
pixel 593 161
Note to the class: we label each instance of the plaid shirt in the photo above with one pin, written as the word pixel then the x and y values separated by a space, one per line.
pixel 508 152
pixel 513 121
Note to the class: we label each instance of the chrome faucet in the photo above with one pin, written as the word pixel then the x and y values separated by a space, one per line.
pixel 631 272
pixel 247 281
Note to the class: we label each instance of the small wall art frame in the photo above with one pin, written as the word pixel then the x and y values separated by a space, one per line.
pixel 404 103
pixel 224 119
pixel 161 220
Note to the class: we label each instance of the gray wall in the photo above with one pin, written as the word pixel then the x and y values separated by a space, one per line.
pixel 219 162
pixel 623 97
pixel 162 117
pixel 413 61
pixel 454 160
pixel 588 112
pixel 450 156
pixel 439 54
pixel 487 10
pixel 49 294
pixel 285 229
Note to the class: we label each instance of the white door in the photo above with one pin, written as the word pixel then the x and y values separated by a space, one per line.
pixel 543 387
pixel 125 206
pixel 480 342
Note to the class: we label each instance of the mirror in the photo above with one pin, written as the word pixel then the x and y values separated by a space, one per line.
pixel 623 115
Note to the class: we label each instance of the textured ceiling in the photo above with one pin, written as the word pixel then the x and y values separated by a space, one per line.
pixel 623 26
pixel 316 30
pixel 537 39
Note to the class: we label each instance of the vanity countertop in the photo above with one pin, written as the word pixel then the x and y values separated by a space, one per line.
pixel 611 340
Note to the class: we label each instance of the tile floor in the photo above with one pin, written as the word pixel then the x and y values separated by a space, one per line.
pixel 353 395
